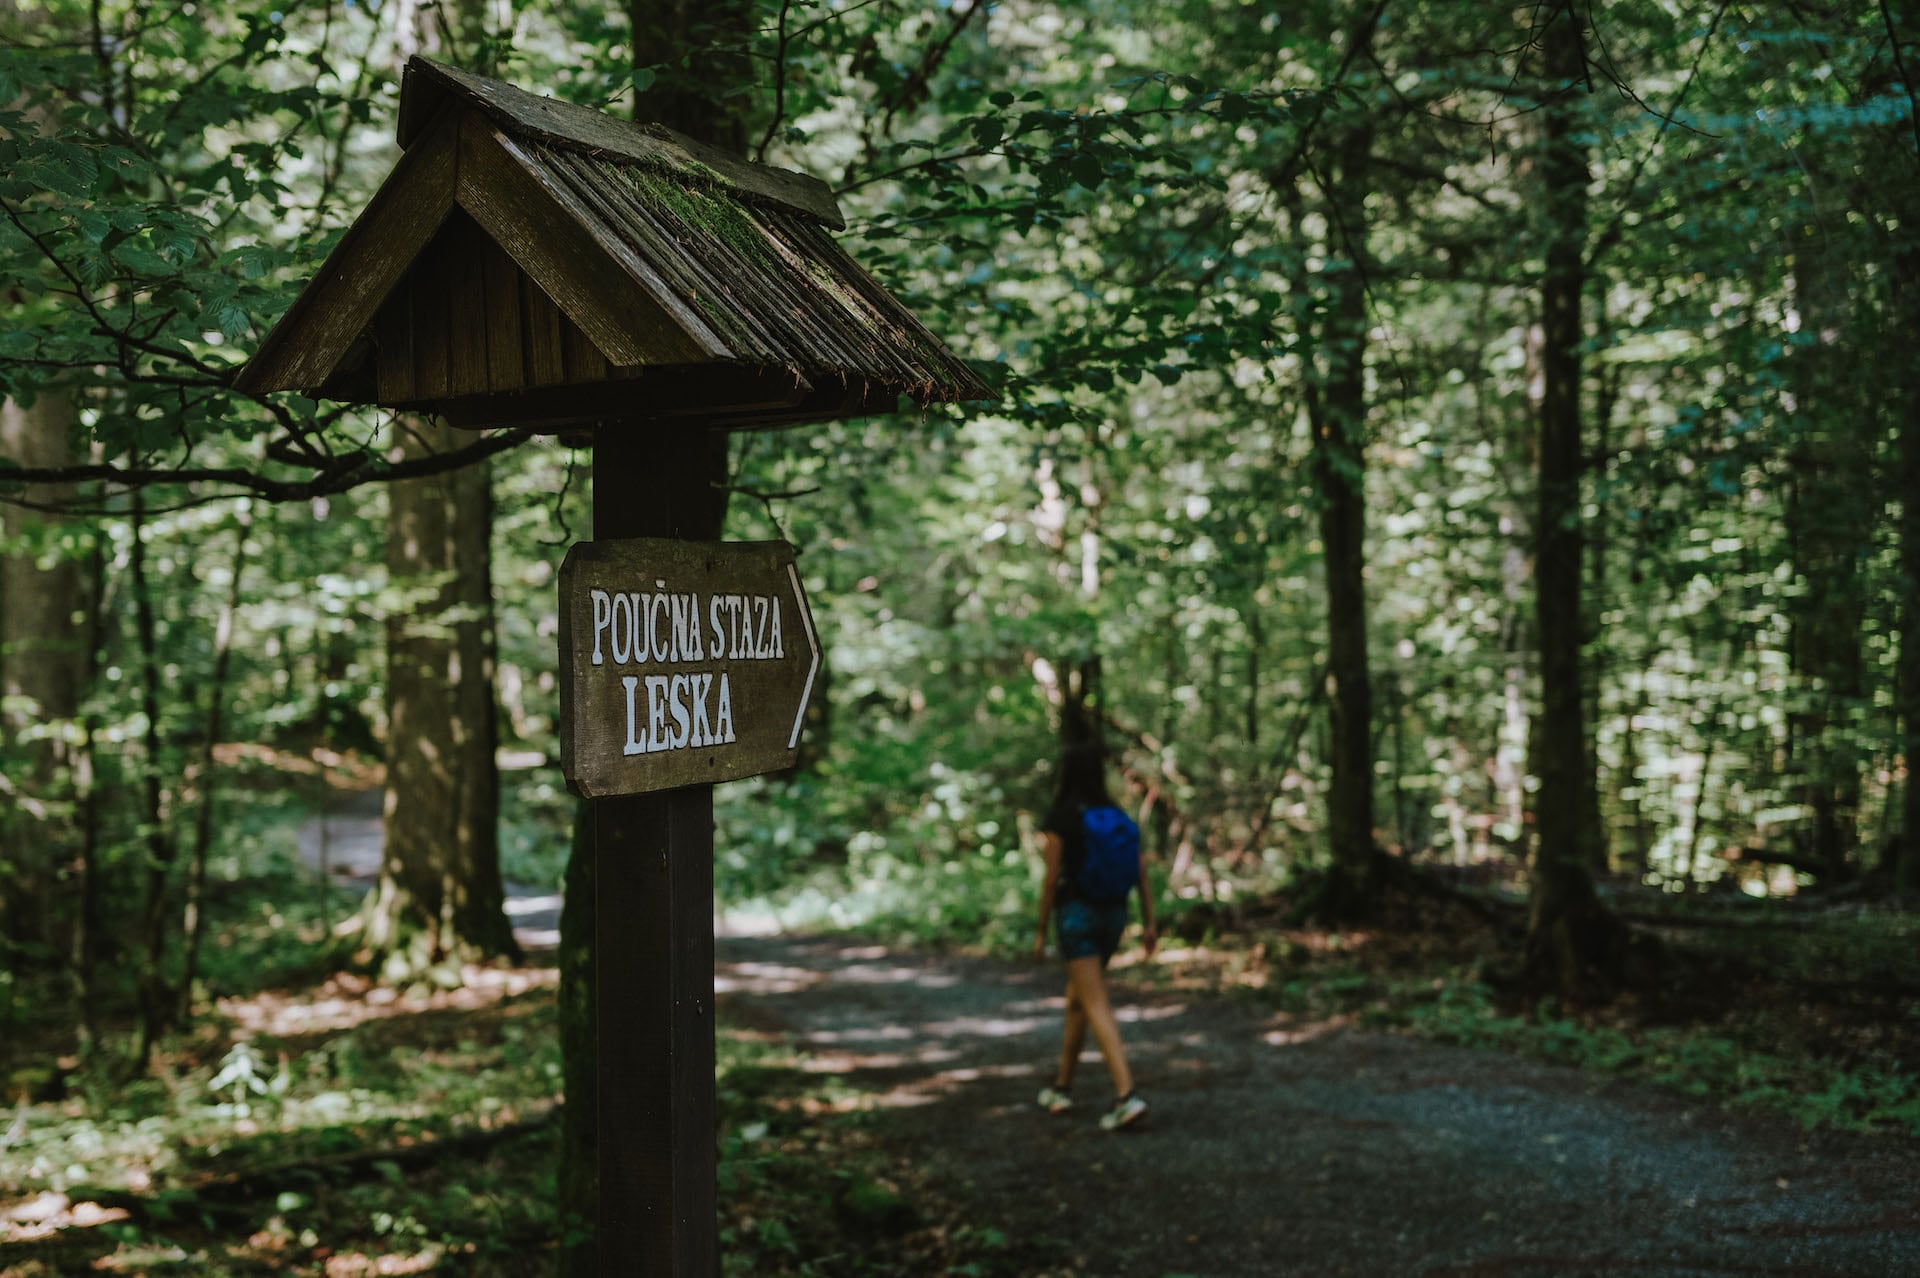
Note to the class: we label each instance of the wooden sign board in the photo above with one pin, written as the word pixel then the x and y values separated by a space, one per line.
pixel 681 662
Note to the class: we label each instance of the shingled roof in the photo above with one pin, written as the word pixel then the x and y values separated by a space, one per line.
pixel 534 261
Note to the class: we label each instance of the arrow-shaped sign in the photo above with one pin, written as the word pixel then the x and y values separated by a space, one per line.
pixel 681 662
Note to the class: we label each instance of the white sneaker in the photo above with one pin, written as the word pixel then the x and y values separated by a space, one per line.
pixel 1126 1111
pixel 1055 1101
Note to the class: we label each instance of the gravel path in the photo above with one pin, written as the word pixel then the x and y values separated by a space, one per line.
pixel 1275 1147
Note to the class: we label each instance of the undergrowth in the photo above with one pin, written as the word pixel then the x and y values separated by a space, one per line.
pixel 303 1147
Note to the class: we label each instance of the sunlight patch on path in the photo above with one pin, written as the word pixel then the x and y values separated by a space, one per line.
pixel 762 978
pixel 1295 1036
pixel 51 1212
pixel 348 1000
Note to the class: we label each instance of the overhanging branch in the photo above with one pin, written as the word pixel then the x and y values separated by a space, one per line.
pixel 348 470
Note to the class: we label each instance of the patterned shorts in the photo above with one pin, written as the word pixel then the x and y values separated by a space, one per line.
pixel 1086 930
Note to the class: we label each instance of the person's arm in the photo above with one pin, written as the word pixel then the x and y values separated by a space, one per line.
pixel 1151 932
pixel 1050 850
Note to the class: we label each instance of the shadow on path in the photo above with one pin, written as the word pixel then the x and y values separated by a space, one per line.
pixel 1277 1147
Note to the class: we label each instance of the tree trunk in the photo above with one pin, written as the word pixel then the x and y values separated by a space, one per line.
pixel 193 918
pixel 1255 637
pixel 156 1000
pixel 1337 412
pixel 44 656
pixel 1573 943
pixel 700 98
pixel 440 897
pixel 1592 693
pixel 1830 514
pixel 1906 309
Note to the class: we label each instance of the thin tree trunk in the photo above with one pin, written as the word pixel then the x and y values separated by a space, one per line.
pixel 89 928
pixel 1906 283
pixel 191 922
pixel 1830 531
pixel 156 1007
pixel 1255 637
pixel 1634 861
pixel 1573 943
pixel 1402 821
pixel 1690 865
pixel 1337 413
pixel 1907 869
pixel 1592 633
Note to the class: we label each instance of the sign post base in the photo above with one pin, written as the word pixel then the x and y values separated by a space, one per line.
pixel 653 927
pixel 653 941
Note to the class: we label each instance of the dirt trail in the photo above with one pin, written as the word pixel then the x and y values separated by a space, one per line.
pixel 1277 1148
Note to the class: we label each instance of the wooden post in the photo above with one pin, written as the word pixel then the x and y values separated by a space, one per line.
pixel 653 926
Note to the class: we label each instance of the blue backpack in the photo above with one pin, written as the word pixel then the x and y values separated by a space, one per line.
pixel 1111 867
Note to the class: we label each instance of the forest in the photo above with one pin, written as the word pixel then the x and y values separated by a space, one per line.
pixel 1463 458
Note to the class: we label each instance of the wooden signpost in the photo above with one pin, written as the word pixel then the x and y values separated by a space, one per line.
pixel 681 663
pixel 539 264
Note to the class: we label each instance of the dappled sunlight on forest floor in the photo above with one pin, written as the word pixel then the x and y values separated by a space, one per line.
pixel 868 1094
pixel 342 1128
pixel 347 1000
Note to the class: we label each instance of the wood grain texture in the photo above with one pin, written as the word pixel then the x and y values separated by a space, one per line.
pixel 709 393
pixel 345 294
pixel 429 86
pixel 653 934
pixel 559 243
pixel 742 689
pixel 584 362
pixel 506 337
pixel 462 247
pixel 393 348
pixel 428 284
pixel 491 265
pixel 542 332
pixel 593 192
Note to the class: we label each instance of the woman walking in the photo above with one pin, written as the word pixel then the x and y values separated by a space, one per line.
pixel 1092 851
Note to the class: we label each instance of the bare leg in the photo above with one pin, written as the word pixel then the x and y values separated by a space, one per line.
pixel 1086 981
pixel 1073 1042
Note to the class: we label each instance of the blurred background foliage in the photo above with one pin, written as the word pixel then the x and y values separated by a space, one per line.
pixel 1126 214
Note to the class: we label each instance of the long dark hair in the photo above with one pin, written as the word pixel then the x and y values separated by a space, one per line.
pixel 1082 779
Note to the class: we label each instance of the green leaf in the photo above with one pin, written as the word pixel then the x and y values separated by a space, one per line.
pixel 252 260
pixel 60 167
